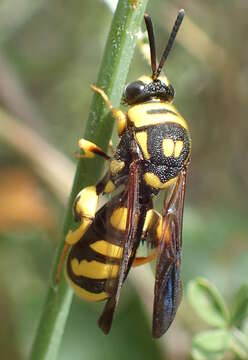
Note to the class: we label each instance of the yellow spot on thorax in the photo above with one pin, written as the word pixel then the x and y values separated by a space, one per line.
pixel 105 248
pixel 93 269
pixel 154 181
pixel 178 148
pixel 141 137
pixel 168 147
pixel 172 149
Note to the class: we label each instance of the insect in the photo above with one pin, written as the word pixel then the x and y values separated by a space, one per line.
pixel 153 155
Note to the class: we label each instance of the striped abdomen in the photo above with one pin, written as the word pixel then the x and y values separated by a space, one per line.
pixel 94 260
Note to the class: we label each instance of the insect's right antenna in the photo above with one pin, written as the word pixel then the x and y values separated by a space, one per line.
pixel 172 37
pixel 151 38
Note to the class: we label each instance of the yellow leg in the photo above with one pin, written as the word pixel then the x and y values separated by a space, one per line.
pixel 90 150
pixel 152 234
pixel 84 210
pixel 144 259
pixel 117 114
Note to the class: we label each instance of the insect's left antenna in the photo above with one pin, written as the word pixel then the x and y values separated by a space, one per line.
pixel 172 37
pixel 151 38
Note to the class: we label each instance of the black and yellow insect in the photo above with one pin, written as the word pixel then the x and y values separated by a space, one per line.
pixel 152 155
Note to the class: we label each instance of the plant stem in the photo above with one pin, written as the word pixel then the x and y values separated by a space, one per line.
pixel 112 76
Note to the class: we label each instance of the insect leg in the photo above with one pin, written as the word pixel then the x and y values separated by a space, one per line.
pixel 90 150
pixel 142 260
pixel 84 210
pixel 117 114
pixel 61 262
pixel 111 147
pixel 151 234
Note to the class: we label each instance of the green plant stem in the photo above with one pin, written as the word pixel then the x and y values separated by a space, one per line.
pixel 112 76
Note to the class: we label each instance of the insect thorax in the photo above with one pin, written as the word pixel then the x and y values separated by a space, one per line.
pixel 163 139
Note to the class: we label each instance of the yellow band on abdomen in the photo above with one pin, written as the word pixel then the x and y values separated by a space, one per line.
pixel 107 249
pixel 93 269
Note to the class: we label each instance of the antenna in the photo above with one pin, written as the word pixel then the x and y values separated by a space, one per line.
pixel 172 37
pixel 151 38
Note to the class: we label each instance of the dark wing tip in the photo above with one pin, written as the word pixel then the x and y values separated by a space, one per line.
pixel 105 322
pixel 159 327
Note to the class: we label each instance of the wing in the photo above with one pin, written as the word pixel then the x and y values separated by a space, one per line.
pixel 168 287
pixel 131 241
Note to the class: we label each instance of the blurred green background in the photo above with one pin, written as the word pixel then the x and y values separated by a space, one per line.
pixel 50 53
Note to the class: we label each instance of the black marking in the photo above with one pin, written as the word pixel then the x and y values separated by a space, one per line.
pixel 95 286
pixel 161 111
pixel 165 168
pixel 156 135
pixel 82 251
pixel 100 152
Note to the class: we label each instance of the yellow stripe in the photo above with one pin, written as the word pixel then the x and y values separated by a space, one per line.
pixel 105 248
pixel 86 295
pixel 73 237
pixel 93 269
pixel 142 140
pixel 139 117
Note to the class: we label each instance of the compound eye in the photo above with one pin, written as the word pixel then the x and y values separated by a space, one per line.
pixel 133 91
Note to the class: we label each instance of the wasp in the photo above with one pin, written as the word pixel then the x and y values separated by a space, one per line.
pixel 152 155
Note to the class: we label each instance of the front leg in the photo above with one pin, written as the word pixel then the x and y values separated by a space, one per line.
pixel 117 114
pixel 90 150
pixel 85 203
